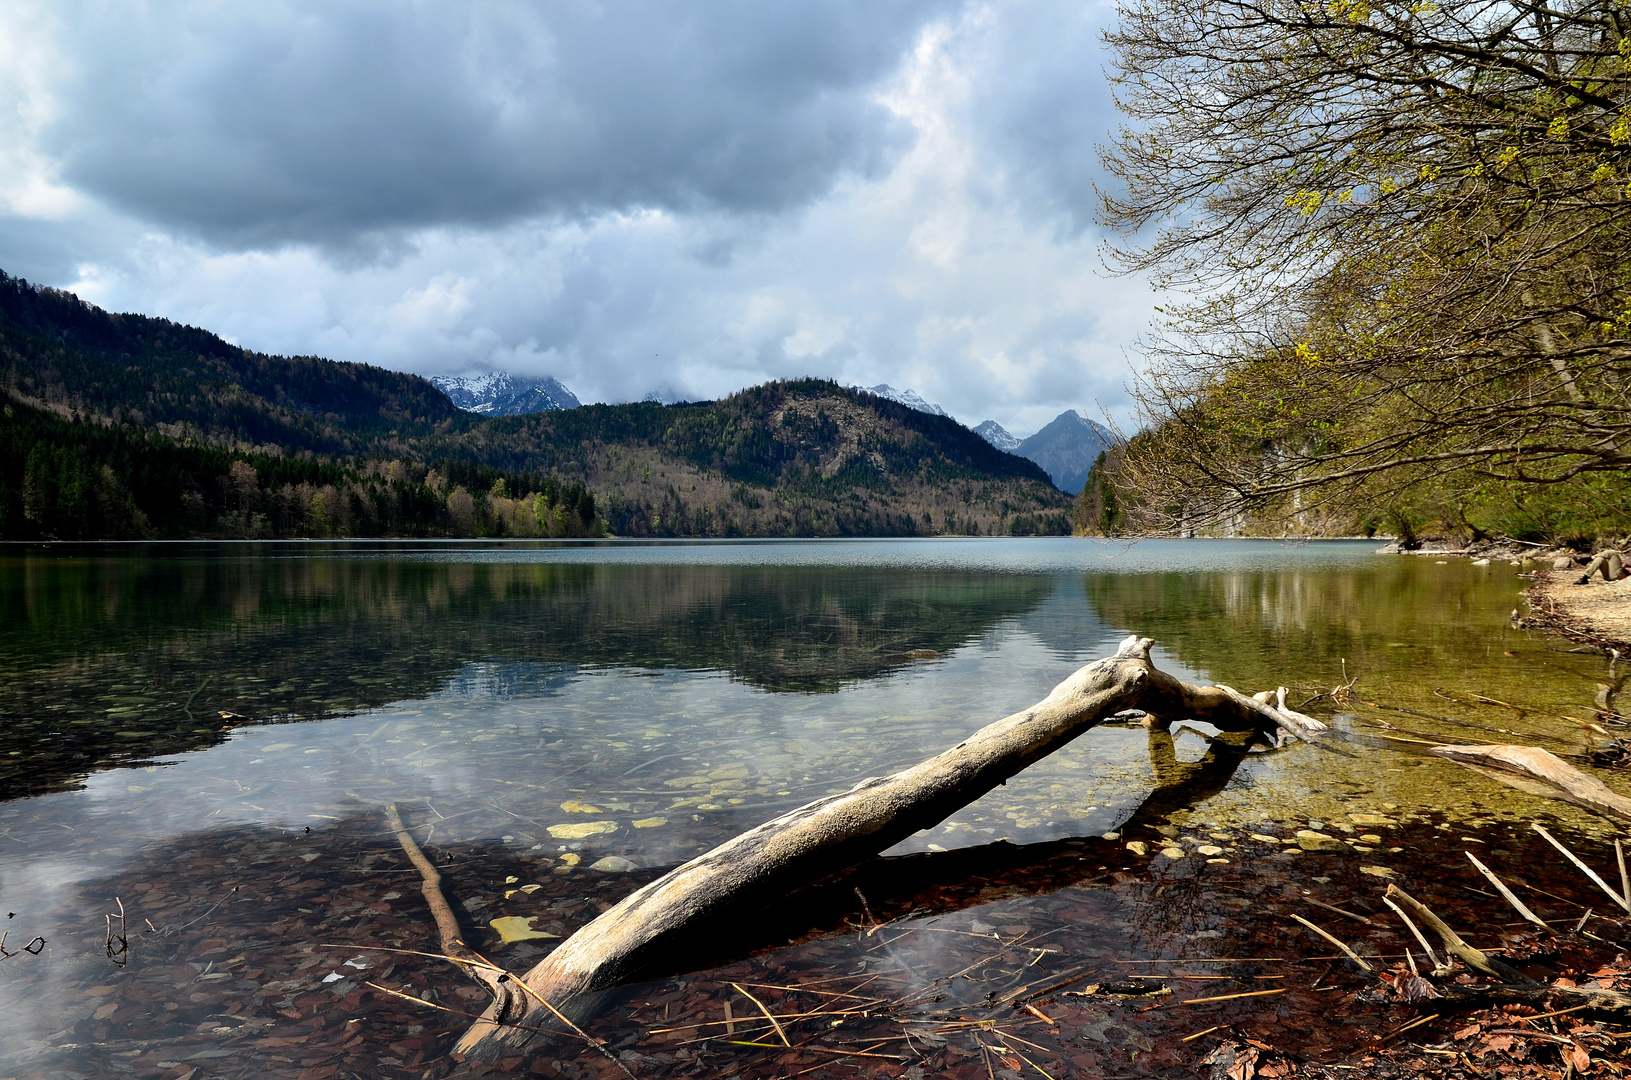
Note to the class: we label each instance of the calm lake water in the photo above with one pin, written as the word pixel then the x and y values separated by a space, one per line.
pixel 207 735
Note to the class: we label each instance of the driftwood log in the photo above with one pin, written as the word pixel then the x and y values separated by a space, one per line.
pixel 1546 773
pixel 661 921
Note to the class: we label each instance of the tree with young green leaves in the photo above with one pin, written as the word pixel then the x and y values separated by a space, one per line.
pixel 1402 232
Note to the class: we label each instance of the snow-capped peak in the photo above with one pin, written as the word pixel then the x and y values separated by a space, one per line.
pixel 498 393
pixel 909 398
pixel 998 436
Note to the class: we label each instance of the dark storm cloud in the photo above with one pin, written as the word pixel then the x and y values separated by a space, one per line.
pixel 256 125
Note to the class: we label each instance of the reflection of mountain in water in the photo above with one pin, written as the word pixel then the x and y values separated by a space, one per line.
pixel 109 661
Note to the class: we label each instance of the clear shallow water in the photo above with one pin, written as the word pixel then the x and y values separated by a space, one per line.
pixel 171 717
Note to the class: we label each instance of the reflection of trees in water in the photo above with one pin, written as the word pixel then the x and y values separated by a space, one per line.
pixel 107 659
pixel 1260 629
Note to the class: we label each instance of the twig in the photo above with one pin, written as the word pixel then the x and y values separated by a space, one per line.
pixel 1355 957
pixel 1339 911
pixel 1589 872
pixel 1033 1065
pixel 760 1005
pixel 433 1005
pixel 206 914
pixel 1198 1034
pixel 1500 886
pixel 1625 879
pixel 187 706
pixel 1246 994
pixel 1559 1012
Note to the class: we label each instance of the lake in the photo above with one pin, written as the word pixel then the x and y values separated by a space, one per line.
pixel 205 735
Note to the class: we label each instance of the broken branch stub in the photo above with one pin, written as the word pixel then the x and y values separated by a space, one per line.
pixel 660 922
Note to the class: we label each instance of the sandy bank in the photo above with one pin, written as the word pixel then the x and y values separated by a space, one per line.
pixel 1598 613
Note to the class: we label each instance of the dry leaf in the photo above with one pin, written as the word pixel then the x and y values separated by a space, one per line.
pixel 518 928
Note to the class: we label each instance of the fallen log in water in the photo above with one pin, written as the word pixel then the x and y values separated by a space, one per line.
pixel 1556 777
pixel 662 920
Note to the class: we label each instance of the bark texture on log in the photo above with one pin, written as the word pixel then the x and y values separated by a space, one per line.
pixel 640 934
pixel 1558 778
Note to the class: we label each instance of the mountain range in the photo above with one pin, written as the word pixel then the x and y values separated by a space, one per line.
pixel 132 426
pixel 498 393
pixel 1066 448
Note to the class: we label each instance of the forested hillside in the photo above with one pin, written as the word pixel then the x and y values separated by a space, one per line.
pixel 122 426
pixel 1398 239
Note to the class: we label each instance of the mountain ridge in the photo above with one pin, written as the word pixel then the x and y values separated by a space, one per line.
pixel 126 425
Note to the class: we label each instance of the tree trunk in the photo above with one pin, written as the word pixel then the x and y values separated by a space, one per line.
pixel 650 928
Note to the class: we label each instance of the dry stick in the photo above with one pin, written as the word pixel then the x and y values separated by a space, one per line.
pixel 1355 957
pixel 1198 1034
pixel 1339 911
pixel 1251 993
pixel 1500 886
pixel 1625 879
pixel 1453 943
pixel 760 1005
pixel 506 1004
pixel 1589 872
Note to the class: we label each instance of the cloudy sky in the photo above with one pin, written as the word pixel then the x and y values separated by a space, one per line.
pixel 682 197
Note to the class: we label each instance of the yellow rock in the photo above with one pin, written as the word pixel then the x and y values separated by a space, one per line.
pixel 571 858
pixel 650 822
pixel 1138 847
pixel 579 830
pixel 573 806
pixel 1370 819
pixel 1265 838
pixel 1309 840
pixel 1377 871
pixel 1209 849
pixel 516 928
